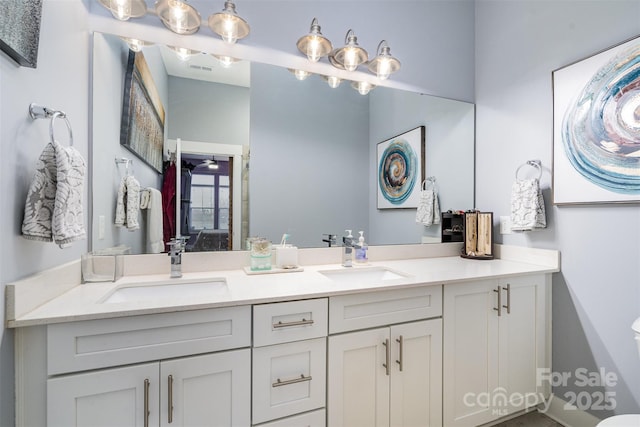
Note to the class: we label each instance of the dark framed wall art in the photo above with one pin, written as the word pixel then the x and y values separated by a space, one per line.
pixel 142 127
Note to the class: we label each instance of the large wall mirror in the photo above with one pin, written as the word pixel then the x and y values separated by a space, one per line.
pixel 294 157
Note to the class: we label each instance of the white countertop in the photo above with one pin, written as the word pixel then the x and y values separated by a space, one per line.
pixel 84 301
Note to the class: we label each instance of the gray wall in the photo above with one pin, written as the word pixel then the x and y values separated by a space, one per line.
pixel 597 296
pixel 110 62
pixel 433 38
pixel 208 112
pixel 315 153
pixel 61 81
pixel 449 136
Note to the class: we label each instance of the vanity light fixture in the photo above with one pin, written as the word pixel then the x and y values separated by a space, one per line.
pixel 351 54
pixel 122 10
pixel 300 74
pixel 178 16
pixel 384 64
pixel 184 53
pixel 314 44
pixel 135 44
pixel 332 81
pixel 228 24
pixel 362 87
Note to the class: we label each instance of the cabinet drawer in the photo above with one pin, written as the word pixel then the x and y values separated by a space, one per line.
pixel 101 343
pixel 289 321
pixel 310 419
pixel 367 310
pixel 288 379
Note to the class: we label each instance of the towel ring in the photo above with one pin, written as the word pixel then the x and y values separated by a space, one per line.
pixel 54 116
pixel 533 163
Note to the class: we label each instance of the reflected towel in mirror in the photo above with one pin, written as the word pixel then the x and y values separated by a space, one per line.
pixel 128 203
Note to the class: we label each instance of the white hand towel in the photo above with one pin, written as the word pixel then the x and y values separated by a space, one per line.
pixel 152 202
pixel 53 209
pixel 527 206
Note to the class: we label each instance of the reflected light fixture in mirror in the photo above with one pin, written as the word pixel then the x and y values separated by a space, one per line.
pixel 135 44
pixel 384 64
pixel 122 10
pixel 332 81
pixel 314 44
pixel 363 88
pixel 228 24
pixel 226 61
pixel 300 74
pixel 183 53
pixel 351 54
pixel 178 16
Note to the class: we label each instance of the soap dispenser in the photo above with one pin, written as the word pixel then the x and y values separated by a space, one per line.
pixel 361 250
pixel 347 250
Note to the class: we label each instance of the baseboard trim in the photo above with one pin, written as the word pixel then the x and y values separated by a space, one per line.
pixel 568 415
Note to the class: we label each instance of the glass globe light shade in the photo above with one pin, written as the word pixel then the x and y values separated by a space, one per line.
pixel 178 16
pixel 122 10
pixel 351 55
pixel 228 24
pixel 384 64
pixel 314 44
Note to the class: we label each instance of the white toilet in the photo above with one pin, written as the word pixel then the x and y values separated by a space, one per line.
pixel 627 420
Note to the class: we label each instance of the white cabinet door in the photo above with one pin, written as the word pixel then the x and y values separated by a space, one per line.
pixel 470 364
pixel 495 341
pixel 416 376
pixel 523 347
pixel 123 397
pixel 209 390
pixel 358 382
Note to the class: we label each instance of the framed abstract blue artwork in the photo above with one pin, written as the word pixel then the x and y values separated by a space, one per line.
pixel 596 128
pixel 400 169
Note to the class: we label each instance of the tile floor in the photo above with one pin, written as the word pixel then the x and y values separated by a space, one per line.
pixel 532 419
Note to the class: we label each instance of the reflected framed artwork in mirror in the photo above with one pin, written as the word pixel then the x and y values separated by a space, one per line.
pixel 400 169
pixel 142 128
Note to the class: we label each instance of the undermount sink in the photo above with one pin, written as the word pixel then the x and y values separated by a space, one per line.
pixel 171 290
pixel 364 275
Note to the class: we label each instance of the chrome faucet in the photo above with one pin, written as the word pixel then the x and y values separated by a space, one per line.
pixel 176 246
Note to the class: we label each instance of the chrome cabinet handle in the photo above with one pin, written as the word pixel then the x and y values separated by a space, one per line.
pixel 387 356
pixel 499 309
pixel 170 415
pixel 508 306
pixel 302 322
pixel 147 383
pixel 280 383
pixel 400 341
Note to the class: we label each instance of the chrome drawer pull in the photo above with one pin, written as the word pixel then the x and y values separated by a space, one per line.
pixel 499 308
pixel 170 386
pixel 280 383
pixel 508 306
pixel 386 365
pixel 400 362
pixel 302 322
